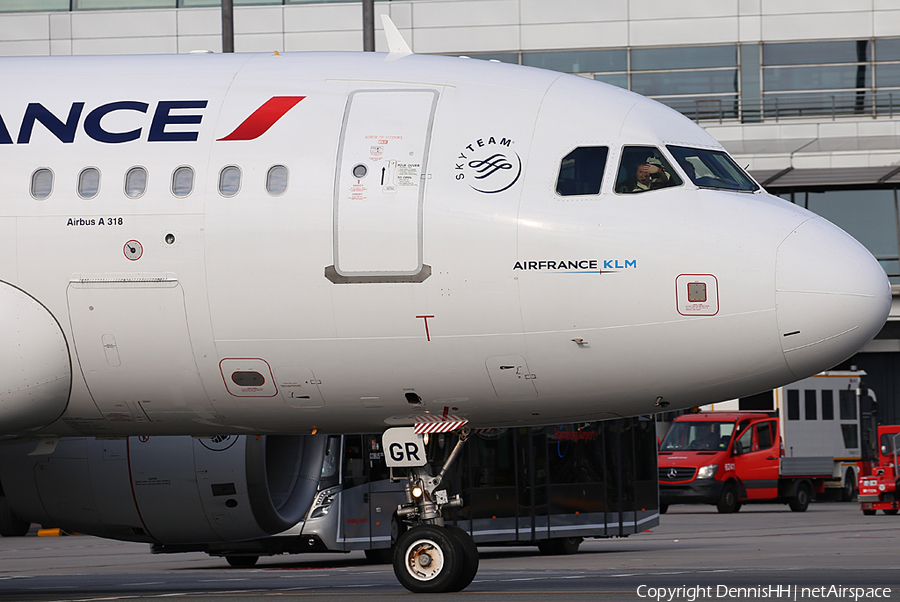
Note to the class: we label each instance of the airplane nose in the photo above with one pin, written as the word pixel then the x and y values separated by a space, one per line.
pixel 831 296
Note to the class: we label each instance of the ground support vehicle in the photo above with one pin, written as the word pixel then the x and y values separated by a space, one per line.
pixel 786 452
pixel 878 484
pixel 545 486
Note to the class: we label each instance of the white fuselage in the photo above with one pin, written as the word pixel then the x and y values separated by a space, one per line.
pixel 349 304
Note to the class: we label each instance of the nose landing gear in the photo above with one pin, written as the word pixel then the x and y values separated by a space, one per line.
pixel 429 556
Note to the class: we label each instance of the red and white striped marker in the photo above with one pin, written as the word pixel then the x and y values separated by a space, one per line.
pixel 438 424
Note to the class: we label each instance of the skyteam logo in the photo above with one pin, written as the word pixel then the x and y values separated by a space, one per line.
pixel 489 165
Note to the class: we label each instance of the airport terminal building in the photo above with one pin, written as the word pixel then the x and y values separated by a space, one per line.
pixel 805 93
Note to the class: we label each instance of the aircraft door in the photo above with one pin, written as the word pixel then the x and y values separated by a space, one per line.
pixel 379 186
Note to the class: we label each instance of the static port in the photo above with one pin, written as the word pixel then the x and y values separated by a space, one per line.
pixel 170 239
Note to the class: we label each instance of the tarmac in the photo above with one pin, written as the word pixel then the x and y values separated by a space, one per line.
pixel 829 552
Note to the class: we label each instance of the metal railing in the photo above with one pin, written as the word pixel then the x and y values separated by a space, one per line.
pixel 832 106
pixel 18 6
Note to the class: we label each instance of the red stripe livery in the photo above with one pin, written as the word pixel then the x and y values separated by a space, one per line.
pixel 263 118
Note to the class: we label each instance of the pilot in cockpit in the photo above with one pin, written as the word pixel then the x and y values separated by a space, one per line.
pixel 643 168
pixel 650 175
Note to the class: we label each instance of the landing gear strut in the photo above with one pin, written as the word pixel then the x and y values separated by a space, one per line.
pixel 429 556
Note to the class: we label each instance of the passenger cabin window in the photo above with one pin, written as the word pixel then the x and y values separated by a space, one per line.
pixel 182 182
pixel 643 168
pixel 712 169
pixel 229 181
pixel 41 184
pixel 581 171
pixel 277 180
pixel 89 182
pixel 135 182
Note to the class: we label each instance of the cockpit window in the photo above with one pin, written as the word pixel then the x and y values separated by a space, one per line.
pixel 644 168
pixel 581 171
pixel 712 169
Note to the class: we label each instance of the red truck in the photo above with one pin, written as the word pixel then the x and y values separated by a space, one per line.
pixel 878 487
pixel 804 439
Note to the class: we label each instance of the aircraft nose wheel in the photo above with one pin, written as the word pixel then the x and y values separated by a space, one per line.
pixel 430 559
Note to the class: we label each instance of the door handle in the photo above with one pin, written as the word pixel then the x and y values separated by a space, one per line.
pixel 365 498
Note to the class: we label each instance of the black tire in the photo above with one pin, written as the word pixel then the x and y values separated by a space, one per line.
pixel 849 487
pixel 663 508
pixel 800 501
pixel 380 555
pixel 729 501
pixel 869 512
pixel 560 546
pixel 10 524
pixel 427 559
pixel 891 511
pixel 242 562
pixel 569 545
pixel 469 558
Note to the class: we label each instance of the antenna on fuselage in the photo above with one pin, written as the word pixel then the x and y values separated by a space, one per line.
pixel 397 46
